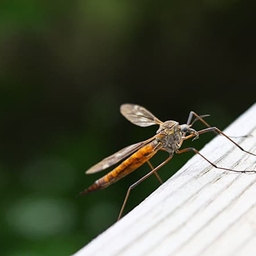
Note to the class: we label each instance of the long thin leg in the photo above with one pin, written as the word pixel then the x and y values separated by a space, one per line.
pixel 211 129
pixel 139 181
pixel 156 174
pixel 198 117
pixel 211 163
pixel 217 130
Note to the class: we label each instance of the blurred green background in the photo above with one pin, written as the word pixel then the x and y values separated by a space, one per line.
pixel 66 67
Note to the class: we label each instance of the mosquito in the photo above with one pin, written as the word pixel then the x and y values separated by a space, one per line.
pixel 169 137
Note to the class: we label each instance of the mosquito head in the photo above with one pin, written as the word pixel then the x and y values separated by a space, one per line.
pixel 186 129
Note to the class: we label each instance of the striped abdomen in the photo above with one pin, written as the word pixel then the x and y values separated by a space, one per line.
pixel 127 166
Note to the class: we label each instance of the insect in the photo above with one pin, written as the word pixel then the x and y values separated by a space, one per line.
pixel 169 137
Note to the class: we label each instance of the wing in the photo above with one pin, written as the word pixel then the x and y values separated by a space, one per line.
pixel 138 115
pixel 118 156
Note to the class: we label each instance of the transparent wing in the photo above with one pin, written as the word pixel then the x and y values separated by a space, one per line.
pixel 138 115
pixel 118 156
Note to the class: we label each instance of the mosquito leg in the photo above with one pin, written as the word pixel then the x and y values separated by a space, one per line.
pixel 156 174
pixel 200 118
pixel 211 163
pixel 214 130
pixel 190 117
pixel 218 131
pixel 153 171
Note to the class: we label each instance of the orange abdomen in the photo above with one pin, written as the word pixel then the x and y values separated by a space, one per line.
pixel 127 166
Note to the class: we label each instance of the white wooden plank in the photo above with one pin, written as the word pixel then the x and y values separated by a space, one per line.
pixel 201 210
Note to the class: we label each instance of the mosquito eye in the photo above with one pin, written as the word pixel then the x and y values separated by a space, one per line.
pixel 184 128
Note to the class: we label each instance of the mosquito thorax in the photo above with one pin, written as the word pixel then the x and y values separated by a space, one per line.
pixel 168 127
pixel 170 136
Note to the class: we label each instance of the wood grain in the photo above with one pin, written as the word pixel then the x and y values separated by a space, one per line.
pixel 201 210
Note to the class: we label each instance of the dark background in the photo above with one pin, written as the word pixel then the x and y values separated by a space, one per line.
pixel 66 67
